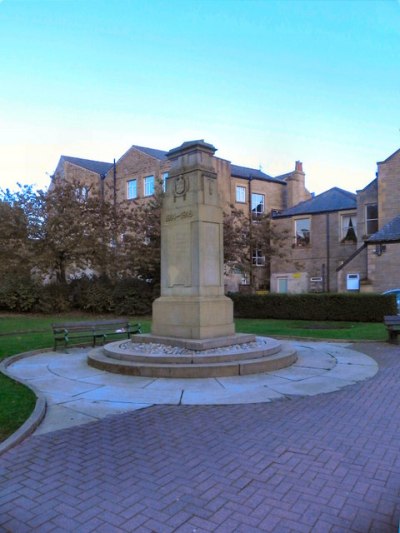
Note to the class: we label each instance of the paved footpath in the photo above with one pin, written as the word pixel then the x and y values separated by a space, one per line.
pixel 322 463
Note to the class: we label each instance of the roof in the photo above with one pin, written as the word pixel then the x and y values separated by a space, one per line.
pixel 334 199
pixel 371 185
pixel 100 167
pixel 389 233
pixel 236 170
pixel 152 152
pixel 247 173
pixel 395 154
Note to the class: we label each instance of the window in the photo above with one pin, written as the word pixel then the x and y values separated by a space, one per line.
pixel 282 285
pixel 149 185
pixel 240 194
pixel 131 189
pixel 302 231
pixel 258 258
pixel 257 204
pixel 349 228
pixel 371 218
pixel 81 194
pixel 164 181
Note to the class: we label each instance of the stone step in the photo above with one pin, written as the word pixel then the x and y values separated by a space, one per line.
pixel 285 357
pixel 128 351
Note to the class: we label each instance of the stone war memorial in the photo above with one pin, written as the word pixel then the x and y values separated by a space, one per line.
pixel 193 332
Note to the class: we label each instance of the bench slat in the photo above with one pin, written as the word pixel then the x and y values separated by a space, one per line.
pixel 68 332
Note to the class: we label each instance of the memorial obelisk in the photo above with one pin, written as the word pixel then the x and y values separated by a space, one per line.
pixel 192 304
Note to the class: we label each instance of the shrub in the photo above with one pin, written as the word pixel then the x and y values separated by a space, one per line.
pixel 18 293
pixel 92 294
pixel 133 297
pixel 53 298
pixel 336 307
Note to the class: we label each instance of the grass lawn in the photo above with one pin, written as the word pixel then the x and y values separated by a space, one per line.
pixel 21 333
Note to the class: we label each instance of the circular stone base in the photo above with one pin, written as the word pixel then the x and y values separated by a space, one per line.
pixel 152 359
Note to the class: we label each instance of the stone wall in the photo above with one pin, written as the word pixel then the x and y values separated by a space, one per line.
pixel 319 259
pixel 383 269
pixel 389 189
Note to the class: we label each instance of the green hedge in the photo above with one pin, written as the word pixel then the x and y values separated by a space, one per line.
pixel 96 295
pixel 339 307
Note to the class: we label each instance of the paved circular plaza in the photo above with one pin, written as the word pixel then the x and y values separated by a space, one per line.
pixel 319 460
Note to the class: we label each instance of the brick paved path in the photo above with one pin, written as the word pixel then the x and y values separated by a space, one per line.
pixel 328 463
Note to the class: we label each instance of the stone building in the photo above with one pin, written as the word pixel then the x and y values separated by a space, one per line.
pixel 86 173
pixel 341 241
pixel 140 170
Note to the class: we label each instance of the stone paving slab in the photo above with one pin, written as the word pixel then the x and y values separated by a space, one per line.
pixel 326 463
pixel 65 378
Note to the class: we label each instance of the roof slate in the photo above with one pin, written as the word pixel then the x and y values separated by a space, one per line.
pixel 389 233
pixel 334 199
pixel 100 167
pixel 152 152
pixel 246 172
pixel 237 170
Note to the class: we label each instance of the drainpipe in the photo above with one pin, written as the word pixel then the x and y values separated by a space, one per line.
pixel 250 237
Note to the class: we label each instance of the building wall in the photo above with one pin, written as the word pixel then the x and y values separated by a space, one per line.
pixel 137 165
pixel 383 269
pixel 366 196
pixel 389 189
pixel 320 259
pixel 74 174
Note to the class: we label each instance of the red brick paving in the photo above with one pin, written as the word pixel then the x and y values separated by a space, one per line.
pixel 328 463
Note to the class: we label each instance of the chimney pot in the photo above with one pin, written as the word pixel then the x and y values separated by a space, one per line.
pixel 299 166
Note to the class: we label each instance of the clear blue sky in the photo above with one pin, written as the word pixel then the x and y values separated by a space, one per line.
pixel 266 82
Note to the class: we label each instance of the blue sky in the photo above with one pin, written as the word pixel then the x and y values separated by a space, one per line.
pixel 266 82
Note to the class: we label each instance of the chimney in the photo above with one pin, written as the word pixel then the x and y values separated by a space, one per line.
pixel 299 166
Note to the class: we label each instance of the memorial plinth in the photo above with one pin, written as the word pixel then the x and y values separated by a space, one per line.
pixel 192 304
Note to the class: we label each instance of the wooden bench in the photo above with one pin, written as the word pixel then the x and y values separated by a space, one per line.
pixel 84 332
pixel 392 323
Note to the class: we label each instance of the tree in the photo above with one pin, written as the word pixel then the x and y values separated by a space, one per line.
pixel 249 245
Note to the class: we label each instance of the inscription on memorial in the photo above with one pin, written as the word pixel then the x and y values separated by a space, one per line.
pixel 178 216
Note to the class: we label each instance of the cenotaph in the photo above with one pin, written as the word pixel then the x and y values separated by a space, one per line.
pixel 192 304
pixel 193 333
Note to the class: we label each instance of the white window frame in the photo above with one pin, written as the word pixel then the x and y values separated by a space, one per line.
pixel 345 224
pixel 368 221
pixel 257 200
pixel 82 193
pixel 240 194
pixel 257 258
pixel 129 185
pixel 302 241
pixel 148 186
